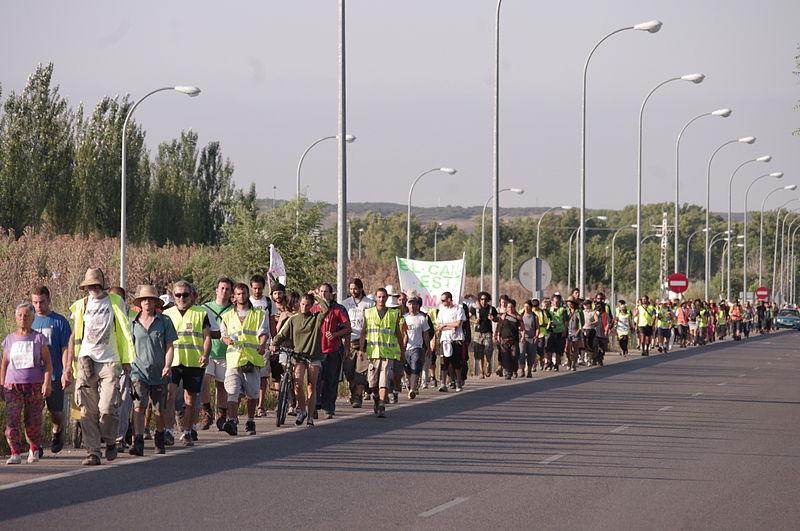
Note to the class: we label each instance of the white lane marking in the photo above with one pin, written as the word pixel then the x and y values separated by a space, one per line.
pixel 552 459
pixel 742 375
pixel 722 383
pixel 697 394
pixel 443 507
pixel 665 408
pixel 769 363
pixel 619 429
pixel 756 368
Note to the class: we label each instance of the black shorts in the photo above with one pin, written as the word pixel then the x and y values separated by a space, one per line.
pixel 55 402
pixel 192 378
pixel 275 369
pixel 647 330
pixel 556 344
pixel 665 332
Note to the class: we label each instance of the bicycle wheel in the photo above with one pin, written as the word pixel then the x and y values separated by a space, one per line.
pixel 283 399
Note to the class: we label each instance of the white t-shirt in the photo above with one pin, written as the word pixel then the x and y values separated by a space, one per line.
pixel 416 326
pixel 355 310
pixel 99 341
pixel 262 303
pixel 451 315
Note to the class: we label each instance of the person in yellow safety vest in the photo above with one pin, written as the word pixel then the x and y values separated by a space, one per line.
pixel 190 359
pixel 722 320
pixel 702 322
pixel 645 316
pixel 543 318
pixel 383 340
pixel 102 346
pixel 664 320
pixel 245 330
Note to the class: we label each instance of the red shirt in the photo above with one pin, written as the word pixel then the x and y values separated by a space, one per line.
pixel 335 320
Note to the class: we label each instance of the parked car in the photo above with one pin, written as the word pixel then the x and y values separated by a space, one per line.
pixel 788 318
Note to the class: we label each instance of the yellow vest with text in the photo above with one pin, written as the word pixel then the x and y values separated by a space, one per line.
pixel 245 338
pixel 122 328
pixel 381 334
pixel 189 326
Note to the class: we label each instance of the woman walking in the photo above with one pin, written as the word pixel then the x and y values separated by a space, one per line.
pixel 25 374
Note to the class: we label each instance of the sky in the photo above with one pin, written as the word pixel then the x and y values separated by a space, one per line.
pixel 419 84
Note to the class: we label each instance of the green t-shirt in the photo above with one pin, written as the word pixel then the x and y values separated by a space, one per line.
pixel 218 348
pixel 151 349
pixel 557 319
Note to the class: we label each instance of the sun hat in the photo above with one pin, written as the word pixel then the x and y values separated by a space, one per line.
pixel 93 277
pixel 144 291
pixel 392 301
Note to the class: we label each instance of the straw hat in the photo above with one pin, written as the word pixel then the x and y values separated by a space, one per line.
pixel 144 291
pixel 93 277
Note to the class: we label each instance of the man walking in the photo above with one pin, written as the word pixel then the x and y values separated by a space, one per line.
pixel 382 341
pixel 55 327
pixel 448 322
pixel 102 344
pixel 355 362
pixel 191 357
pixel 485 315
pixel 335 328
pixel 215 371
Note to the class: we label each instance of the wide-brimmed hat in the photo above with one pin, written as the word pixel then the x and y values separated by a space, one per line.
pixel 390 290
pixel 144 291
pixel 93 277
pixel 392 301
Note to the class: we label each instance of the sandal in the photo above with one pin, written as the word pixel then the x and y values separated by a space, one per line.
pixel 260 412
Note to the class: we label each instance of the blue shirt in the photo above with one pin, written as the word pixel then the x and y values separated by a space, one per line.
pixel 55 328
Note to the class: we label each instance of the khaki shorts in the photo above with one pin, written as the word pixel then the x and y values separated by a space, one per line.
pixel 380 372
pixel 149 394
pixel 216 368
pixel 238 382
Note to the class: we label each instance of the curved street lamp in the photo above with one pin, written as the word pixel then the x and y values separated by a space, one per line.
pixel 518 191
pixel 613 262
pixel 688 246
pixel 190 91
pixel 707 267
pixel 765 158
pixel 347 138
pixel 449 171
pixel 775 246
pixel 724 113
pixel 539 223
pixel 693 78
pixel 650 26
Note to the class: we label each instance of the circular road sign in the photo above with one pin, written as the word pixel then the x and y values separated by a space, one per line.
pixel 677 282
pixel 528 274
pixel 762 293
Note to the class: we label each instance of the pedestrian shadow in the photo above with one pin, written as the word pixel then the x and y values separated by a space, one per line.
pixel 513 438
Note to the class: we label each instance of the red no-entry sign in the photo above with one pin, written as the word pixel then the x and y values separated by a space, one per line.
pixel 762 293
pixel 677 282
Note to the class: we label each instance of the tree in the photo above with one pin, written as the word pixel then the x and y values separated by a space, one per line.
pixel 98 150
pixel 215 187
pixel 37 155
pixel 175 193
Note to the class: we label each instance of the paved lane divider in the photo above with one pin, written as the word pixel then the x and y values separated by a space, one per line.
pixel 443 507
pixel 552 459
pixel 622 428
pixel 665 408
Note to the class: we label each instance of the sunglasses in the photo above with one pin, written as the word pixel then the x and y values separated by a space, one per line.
pixel 181 295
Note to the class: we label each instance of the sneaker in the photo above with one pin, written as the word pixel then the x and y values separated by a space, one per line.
pixel 309 422
pixel 169 438
pixel 208 418
pixel 452 385
pixel 412 395
pixel 57 444
pixel 458 389
pixel 301 417
pixel 425 385
pixel 329 415
pixel 15 459
pixel 193 433
pixel 393 398
pixel 230 427
pixel 111 452
pixel 443 389
pixel 250 427
pixel 91 460
pixel 292 411
pixel 137 448
pixel 147 434
pixel 381 412
pixel 33 455
pixel 159 442
pixel 187 439
pixel 358 402
pixel 375 404
pixel 220 423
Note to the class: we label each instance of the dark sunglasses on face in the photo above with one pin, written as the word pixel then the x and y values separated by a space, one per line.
pixel 181 295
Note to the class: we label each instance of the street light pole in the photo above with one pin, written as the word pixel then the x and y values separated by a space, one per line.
pixel 511 269
pixel 719 112
pixel 517 191
pixel 496 160
pixel 651 26
pixel 776 175
pixel 360 234
pixel 694 78
pixel 688 244
pixel 707 267
pixel 449 171
pixel 435 230
pixel 539 224
pixel 123 202
pixel 341 256
pixel 765 158
pixel 348 138
pixel 775 246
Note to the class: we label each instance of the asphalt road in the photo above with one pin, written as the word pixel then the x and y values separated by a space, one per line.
pixel 702 438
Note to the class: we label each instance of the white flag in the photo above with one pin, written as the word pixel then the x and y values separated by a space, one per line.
pixel 276 268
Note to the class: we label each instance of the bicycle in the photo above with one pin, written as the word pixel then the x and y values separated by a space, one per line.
pixel 288 358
